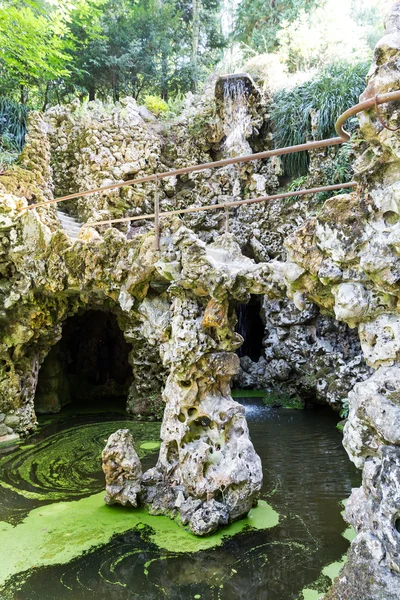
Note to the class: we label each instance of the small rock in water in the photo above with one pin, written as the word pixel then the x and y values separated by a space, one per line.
pixel 122 468
pixel 209 517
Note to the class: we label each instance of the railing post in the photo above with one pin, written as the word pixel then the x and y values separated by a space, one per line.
pixel 157 216
pixel 226 219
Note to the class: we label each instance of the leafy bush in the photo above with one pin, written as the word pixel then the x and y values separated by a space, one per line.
pixel 12 124
pixel 175 105
pixel 330 92
pixel 156 104
pixel 12 131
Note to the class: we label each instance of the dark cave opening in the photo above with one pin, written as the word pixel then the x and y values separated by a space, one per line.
pixel 251 328
pixel 88 365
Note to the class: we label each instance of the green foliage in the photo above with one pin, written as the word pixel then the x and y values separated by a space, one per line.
pixel 344 413
pixel 12 123
pixel 156 104
pixel 145 48
pixel 277 398
pixel 330 93
pixel 31 39
pixel 12 131
pixel 326 34
pixel 259 21
pixel 175 106
pixel 53 51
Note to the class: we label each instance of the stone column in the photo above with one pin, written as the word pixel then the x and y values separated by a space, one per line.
pixel 208 472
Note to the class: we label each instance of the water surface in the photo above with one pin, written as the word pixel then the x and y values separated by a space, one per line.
pixel 50 493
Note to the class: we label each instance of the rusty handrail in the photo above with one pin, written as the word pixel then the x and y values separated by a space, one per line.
pixel 327 188
pixel 365 105
pixel 185 170
pixel 343 137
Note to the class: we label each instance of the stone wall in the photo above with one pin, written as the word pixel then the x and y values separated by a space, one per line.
pixel 347 261
pixel 95 144
pixel 307 356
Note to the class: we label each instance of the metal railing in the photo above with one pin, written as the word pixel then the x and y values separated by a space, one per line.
pixel 343 137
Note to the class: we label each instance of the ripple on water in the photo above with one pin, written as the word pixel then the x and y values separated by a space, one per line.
pixel 306 473
pixel 65 465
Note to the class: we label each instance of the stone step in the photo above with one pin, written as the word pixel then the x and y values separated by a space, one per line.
pixel 70 225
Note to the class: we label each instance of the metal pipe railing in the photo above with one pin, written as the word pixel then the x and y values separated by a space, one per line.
pixel 343 137
pixel 193 168
pixel 327 188
pixel 366 105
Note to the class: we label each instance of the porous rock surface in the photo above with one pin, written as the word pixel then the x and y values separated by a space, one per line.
pixel 179 300
pixel 306 355
pixel 176 306
pixel 207 471
pixel 346 260
pixel 122 469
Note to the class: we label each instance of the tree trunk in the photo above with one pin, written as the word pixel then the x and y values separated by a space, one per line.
pixel 195 42
pixel 23 94
pixel 46 96
pixel 115 82
pixel 164 74
pixel 92 92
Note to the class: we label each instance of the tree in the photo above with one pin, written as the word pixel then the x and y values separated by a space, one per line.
pixel 259 21
pixel 96 48
pixel 316 38
pixel 31 39
pixel 195 40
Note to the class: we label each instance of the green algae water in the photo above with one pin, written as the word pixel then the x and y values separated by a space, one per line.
pixel 59 541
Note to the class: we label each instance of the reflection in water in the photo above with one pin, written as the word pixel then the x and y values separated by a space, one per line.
pixel 306 473
pixel 61 466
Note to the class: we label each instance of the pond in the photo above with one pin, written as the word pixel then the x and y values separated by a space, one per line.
pixel 59 541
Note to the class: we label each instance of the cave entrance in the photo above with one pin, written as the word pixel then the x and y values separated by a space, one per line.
pixel 251 328
pixel 88 366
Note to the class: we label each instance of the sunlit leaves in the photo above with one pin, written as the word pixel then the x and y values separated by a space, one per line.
pixel 31 43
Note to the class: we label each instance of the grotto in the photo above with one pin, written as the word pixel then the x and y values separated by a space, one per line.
pixel 113 319
pixel 88 363
pixel 250 327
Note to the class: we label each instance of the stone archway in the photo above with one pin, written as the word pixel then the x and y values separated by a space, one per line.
pixel 89 364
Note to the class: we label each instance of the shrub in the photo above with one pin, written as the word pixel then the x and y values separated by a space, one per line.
pixel 330 92
pixel 12 131
pixel 12 123
pixel 175 106
pixel 156 104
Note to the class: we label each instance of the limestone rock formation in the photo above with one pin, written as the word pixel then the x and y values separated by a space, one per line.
pixel 122 469
pixel 346 260
pixel 306 354
pixel 79 147
pixel 178 300
pixel 176 305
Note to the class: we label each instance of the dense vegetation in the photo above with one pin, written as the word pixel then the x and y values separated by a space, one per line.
pixel 260 21
pixel 53 51
pixel 330 92
pixel 157 50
